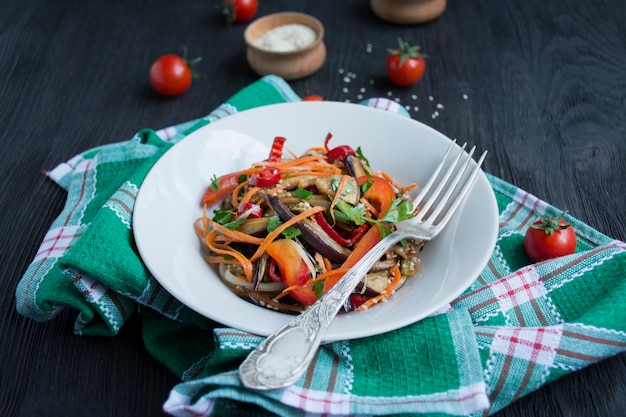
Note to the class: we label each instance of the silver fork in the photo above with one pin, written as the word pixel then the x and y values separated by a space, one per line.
pixel 282 358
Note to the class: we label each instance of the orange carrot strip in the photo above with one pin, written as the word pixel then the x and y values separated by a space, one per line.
pixel 389 178
pixel 327 264
pixel 293 154
pixel 235 196
pixel 320 149
pixel 314 173
pixel 245 263
pixel 340 188
pixel 235 235
pixel 220 260
pixel 276 232
pixel 321 262
pixel 330 274
pixel 319 159
pixel 336 272
pixel 248 195
pixel 369 207
pixel 387 292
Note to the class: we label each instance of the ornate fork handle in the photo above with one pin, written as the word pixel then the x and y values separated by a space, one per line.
pixel 282 358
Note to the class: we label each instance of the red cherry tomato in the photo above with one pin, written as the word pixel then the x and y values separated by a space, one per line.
pixel 266 178
pixel 171 74
pixel 313 97
pixel 405 65
pixel 549 238
pixel 239 10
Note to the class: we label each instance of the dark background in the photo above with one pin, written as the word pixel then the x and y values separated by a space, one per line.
pixel 541 84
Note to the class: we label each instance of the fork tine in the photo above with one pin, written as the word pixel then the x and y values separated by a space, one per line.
pixel 467 185
pixel 424 189
pixel 443 182
pixel 450 187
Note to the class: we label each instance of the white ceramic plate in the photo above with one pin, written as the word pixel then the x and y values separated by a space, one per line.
pixel 169 202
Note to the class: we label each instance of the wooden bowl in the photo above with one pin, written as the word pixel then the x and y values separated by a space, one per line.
pixel 291 65
pixel 407 12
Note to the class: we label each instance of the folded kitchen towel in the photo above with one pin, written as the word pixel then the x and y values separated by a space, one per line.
pixel 519 326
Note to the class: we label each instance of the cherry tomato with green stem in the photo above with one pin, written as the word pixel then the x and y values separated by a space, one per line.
pixel 171 75
pixel 405 65
pixel 238 11
pixel 549 238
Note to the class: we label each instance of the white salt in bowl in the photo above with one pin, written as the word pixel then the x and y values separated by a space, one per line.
pixel 300 62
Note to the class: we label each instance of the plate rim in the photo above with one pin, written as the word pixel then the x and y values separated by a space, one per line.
pixel 215 125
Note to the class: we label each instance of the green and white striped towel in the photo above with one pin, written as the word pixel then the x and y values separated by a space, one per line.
pixel 519 326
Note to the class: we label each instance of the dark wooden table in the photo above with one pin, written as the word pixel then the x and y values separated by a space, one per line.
pixel 541 84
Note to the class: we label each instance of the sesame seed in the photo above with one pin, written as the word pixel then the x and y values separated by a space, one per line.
pixel 465 97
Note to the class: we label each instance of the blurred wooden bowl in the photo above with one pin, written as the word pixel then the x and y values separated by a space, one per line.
pixel 290 65
pixel 407 12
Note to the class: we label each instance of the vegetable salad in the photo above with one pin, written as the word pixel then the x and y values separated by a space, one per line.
pixel 288 228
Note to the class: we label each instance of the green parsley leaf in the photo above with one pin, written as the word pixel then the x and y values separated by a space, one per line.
pixel 318 287
pixel 234 225
pixel 356 214
pixel 399 210
pixel 242 178
pixel 223 216
pixel 215 183
pixel 272 223
pixel 289 233
pixel 385 228
pixel 367 184
pixel 302 194
pixel 359 153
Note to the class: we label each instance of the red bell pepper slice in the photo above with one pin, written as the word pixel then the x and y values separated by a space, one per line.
pixel 332 233
pixel 367 242
pixel 225 185
pixel 358 233
pixel 355 235
pixel 293 269
pixel 272 271
pixel 276 153
pixel 339 152
pixel 266 178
